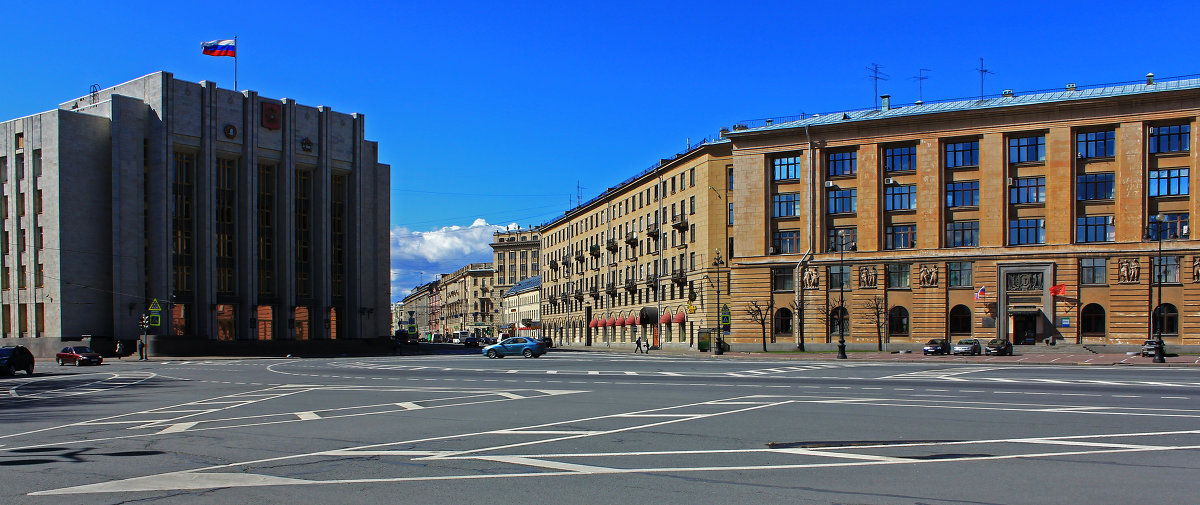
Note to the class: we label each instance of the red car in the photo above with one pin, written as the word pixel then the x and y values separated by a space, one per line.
pixel 78 355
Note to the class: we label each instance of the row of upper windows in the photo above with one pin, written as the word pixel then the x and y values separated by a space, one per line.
pixel 632 203
pixel 1092 271
pixel 1023 149
pixel 1088 229
pixel 1026 190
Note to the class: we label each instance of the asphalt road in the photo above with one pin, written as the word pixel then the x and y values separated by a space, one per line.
pixel 596 427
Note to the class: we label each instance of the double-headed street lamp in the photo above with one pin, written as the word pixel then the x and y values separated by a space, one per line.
pixel 1160 271
pixel 841 348
pixel 718 262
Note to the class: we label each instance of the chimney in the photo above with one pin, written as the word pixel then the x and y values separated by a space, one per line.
pixel 1070 86
pixel 1150 79
pixel 886 101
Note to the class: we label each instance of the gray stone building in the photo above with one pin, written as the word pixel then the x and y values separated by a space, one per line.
pixel 245 217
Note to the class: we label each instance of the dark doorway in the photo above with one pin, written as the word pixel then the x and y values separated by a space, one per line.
pixel 1025 329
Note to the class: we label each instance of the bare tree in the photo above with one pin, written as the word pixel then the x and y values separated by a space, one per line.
pixel 876 309
pixel 826 311
pixel 762 316
pixel 798 320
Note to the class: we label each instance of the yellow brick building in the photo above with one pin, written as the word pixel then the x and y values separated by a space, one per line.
pixel 1024 216
pixel 637 260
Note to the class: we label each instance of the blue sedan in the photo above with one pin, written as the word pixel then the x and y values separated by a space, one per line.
pixel 527 347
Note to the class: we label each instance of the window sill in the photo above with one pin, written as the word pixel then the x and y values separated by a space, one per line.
pixel 1172 154
pixel 963 207
pixel 1026 245
pixel 900 289
pixel 1039 163
pixel 842 177
pixel 1184 196
pixel 964 167
pixel 901 211
pixel 1029 205
pixel 1096 159
pixel 910 171
pixel 1099 200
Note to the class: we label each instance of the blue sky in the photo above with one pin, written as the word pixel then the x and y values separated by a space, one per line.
pixel 492 113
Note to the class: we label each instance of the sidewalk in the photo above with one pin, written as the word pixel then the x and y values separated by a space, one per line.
pixel 1022 357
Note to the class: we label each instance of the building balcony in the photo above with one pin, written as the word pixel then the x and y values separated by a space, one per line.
pixel 611 289
pixel 651 280
pixel 652 230
pixel 554 265
pixel 631 238
pixel 594 291
pixel 611 244
pixel 579 295
pixel 679 222
pixel 679 277
pixel 594 251
pixel 630 285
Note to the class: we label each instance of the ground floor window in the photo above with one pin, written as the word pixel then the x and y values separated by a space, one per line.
pixel 898 321
pixel 783 321
pixel 1166 320
pixel 302 323
pixel 226 322
pixel 839 322
pixel 266 322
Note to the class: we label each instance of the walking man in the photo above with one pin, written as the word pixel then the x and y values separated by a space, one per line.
pixel 637 345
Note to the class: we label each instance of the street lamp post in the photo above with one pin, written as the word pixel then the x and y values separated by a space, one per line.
pixel 717 262
pixel 841 348
pixel 1159 272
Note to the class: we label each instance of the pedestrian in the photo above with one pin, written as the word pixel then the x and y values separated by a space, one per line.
pixel 142 350
pixel 637 345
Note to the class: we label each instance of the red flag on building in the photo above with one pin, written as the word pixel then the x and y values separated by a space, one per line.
pixel 1058 290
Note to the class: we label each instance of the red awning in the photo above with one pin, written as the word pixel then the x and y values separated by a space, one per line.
pixel 665 319
pixel 631 321
pixel 620 321
pixel 612 321
pixel 600 323
pixel 592 324
pixel 680 317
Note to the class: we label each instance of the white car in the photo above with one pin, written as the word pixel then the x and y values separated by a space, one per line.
pixel 968 346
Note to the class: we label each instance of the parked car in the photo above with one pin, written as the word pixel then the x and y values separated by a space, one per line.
pixel 1149 348
pixel 528 347
pixel 15 357
pixel 937 346
pixel 470 341
pixel 998 347
pixel 78 355
pixel 968 346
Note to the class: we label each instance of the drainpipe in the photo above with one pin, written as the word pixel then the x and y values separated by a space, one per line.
pixel 796 289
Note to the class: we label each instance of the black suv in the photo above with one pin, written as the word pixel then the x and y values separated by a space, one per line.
pixel 13 358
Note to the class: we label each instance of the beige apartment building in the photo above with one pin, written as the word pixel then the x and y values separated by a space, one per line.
pixel 1023 216
pixel 466 305
pixel 637 260
pixel 515 255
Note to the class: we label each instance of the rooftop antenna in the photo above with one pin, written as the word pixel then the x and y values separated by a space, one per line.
pixel 920 78
pixel 982 72
pixel 578 192
pixel 94 92
pixel 877 76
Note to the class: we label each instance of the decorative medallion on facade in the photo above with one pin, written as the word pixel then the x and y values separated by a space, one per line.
pixel 1023 281
pixel 811 279
pixel 230 131
pixel 1128 271
pixel 868 276
pixel 306 145
pixel 929 275
pixel 272 115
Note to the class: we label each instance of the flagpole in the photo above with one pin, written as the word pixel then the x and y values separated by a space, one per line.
pixel 235 86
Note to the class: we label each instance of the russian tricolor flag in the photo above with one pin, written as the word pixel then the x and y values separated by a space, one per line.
pixel 220 48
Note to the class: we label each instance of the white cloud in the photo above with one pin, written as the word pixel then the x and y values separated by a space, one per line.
pixel 418 256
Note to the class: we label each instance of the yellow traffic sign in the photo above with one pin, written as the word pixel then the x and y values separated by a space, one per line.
pixel 154 306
